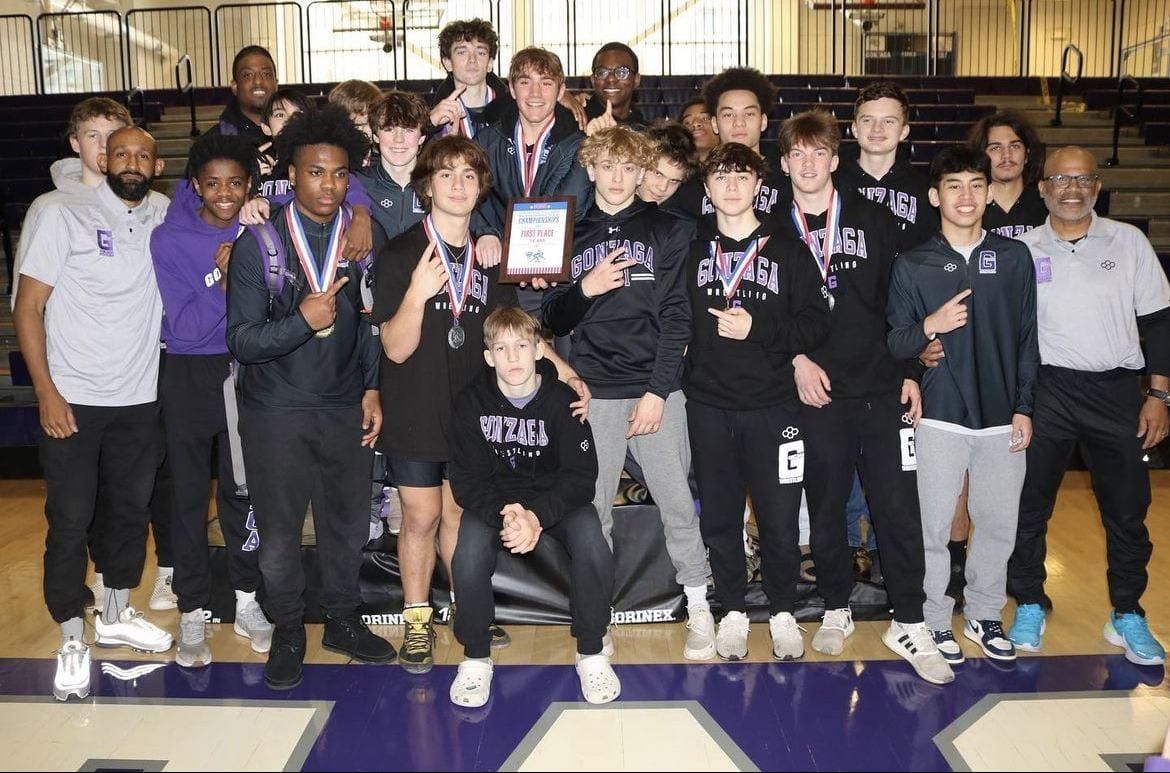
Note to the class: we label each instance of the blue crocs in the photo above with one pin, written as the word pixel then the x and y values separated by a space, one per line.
pixel 1133 633
pixel 1028 627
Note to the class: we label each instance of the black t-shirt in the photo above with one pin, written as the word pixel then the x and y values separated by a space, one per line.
pixel 1027 213
pixel 418 396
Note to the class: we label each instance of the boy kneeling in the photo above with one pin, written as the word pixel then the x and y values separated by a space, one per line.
pixel 522 464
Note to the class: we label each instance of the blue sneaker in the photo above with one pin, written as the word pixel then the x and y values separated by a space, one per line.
pixel 1028 627
pixel 989 635
pixel 1132 632
pixel 951 651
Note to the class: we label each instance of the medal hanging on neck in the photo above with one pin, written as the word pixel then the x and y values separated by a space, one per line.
pixel 832 221
pixel 729 276
pixel 457 291
pixel 529 165
pixel 466 126
pixel 318 282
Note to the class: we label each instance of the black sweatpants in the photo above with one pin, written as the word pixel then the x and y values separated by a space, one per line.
pixel 874 436
pixel 116 450
pixel 294 457
pixel 1098 411
pixel 590 584
pixel 195 422
pixel 758 453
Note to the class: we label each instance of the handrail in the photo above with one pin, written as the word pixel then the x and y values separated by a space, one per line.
pixel 188 88
pixel 141 95
pixel 1143 43
pixel 1066 78
pixel 1131 114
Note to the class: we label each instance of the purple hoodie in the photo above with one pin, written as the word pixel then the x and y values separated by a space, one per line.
pixel 194 305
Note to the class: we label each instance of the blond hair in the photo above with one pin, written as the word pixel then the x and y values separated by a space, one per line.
pixel 618 143
pixel 509 319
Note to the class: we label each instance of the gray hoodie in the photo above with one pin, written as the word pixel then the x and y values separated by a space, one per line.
pixel 66 174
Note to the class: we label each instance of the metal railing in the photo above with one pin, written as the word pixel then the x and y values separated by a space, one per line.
pixel 157 37
pixel 1129 113
pixel 138 94
pixel 187 89
pixel 18 61
pixel 81 51
pixel 1067 78
pixel 278 27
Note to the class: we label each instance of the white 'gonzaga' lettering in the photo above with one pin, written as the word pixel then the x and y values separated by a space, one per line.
pixel 593 255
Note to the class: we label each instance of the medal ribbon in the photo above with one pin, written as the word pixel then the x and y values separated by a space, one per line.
pixel 457 291
pixel 466 126
pixel 318 281
pixel 732 277
pixel 530 165
pixel 832 220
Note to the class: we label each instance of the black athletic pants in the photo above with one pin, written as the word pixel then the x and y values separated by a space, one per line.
pixel 758 453
pixel 590 582
pixel 1098 411
pixel 873 436
pixel 196 431
pixel 294 457
pixel 115 450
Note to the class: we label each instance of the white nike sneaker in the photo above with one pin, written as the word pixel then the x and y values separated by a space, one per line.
pixel 72 677
pixel 134 631
pixel 731 638
pixel 163 596
pixel 700 644
pixel 836 627
pixel 252 624
pixel 914 643
pixel 193 647
pixel 787 643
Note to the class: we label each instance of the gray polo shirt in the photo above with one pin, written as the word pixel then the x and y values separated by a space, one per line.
pixel 103 317
pixel 1090 294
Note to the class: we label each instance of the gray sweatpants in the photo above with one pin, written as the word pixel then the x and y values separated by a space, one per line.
pixel 665 457
pixel 997 476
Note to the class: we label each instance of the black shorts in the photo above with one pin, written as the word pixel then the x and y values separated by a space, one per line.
pixel 414 473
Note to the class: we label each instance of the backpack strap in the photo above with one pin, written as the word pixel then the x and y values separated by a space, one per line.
pixel 276 264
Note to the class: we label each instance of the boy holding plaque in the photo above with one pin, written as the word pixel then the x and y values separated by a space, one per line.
pixel 309 410
pixel 628 313
pixel 756 300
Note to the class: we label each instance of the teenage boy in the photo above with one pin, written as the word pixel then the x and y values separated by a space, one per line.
pixel 738 100
pixel 977 292
pixel 467 49
pixel 675 162
pixel 695 119
pixel 398 122
pixel 1098 285
pixel 516 488
pixel 278 111
pixel 253 82
pixel 614 76
pixel 858 406
pixel 87 321
pixel 309 410
pixel 357 98
pixel 191 251
pixel 630 320
pixel 756 300
pixel 1017 157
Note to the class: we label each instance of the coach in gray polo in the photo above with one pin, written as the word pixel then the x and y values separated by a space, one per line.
pixel 1098 284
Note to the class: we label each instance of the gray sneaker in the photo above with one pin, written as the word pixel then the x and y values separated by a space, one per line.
pixel 252 624
pixel 193 649
pixel 393 510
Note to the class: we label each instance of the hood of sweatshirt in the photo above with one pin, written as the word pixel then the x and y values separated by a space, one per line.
pixel 66 174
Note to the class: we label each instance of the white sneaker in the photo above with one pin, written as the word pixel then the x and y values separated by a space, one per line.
pixel 99 592
pixel 914 643
pixel 252 624
pixel 836 627
pixel 393 510
pixel 133 631
pixel 72 677
pixel 193 647
pixel 787 643
pixel 731 639
pixel 163 596
pixel 700 644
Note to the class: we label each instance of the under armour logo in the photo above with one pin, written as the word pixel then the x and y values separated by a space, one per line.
pixel 386 203
pixel 584 445
pixel 613 229
pixel 1108 265
pixel 790 432
pixel 906 419
pixel 950 267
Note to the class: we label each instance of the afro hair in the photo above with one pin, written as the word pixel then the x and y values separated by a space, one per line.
pixel 331 125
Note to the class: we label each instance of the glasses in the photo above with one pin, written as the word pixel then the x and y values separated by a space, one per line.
pixel 1065 180
pixel 621 73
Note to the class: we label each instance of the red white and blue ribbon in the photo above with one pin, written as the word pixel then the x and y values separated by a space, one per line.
pixel 466 126
pixel 319 281
pixel 530 164
pixel 832 221
pixel 457 290
pixel 730 276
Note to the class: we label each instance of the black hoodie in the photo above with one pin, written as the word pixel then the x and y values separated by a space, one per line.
pixel 559 173
pixel 631 340
pixel 232 121
pixel 538 455
pixel 595 108
pixel 480 116
pixel 903 189
pixel 691 202
pixel 789 305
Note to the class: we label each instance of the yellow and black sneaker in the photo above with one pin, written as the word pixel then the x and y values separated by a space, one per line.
pixel 417 653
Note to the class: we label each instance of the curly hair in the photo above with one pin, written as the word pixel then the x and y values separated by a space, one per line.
pixel 739 79
pixel 229 147
pixel 1023 128
pixel 399 109
pixel 469 30
pixel 619 143
pixel 331 125
pixel 673 142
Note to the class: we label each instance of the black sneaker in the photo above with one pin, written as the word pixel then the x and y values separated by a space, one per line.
pixel 500 637
pixel 286 658
pixel 350 636
pixel 875 569
pixel 418 646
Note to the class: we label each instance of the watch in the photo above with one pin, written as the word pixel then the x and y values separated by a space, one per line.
pixel 1159 394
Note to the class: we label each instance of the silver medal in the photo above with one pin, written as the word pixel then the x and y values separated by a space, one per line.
pixel 456 337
